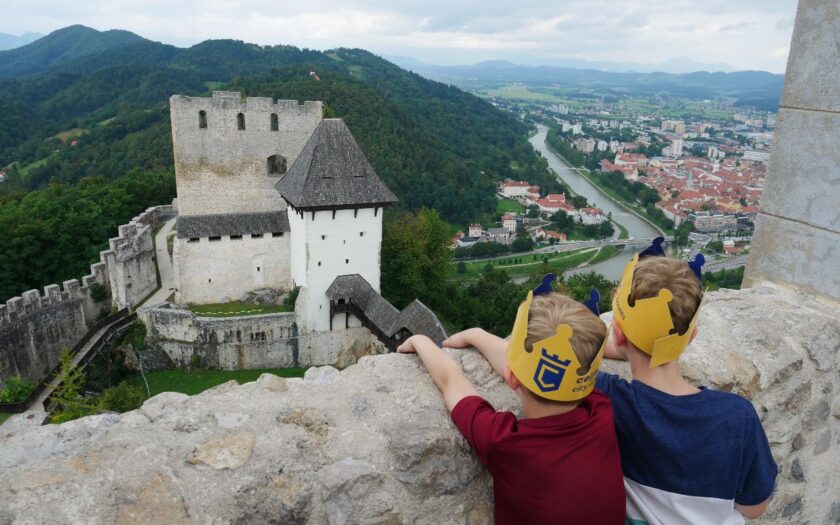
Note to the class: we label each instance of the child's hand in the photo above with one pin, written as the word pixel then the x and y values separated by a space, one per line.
pixel 407 347
pixel 461 339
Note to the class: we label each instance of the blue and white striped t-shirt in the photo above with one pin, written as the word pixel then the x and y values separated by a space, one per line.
pixel 688 459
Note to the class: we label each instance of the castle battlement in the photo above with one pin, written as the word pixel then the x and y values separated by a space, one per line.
pixel 234 101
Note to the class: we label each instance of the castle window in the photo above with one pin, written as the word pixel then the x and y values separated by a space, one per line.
pixel 209 280
pixel 277 234
pixel 323 237
pixel 256 236
pixel 275 122
pixel 319 263
pixel 202 119
pixel 346 261
pixel 240 121
pixel 235 237
pixel 276 165
pixel 361 234
pixel 258 268
pixel 215 238
pixel 193 239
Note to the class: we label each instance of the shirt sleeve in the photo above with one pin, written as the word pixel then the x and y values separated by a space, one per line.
pixel 758 468
pixel 605 382
pixel 480 424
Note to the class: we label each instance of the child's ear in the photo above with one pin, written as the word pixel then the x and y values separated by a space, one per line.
pixel 511 380
pixel 618 336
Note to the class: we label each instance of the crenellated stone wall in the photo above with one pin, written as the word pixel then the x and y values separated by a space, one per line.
pixel 34 327
pixel 374 443
pixel 175 335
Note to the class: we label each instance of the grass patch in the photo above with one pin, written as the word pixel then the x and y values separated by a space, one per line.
pixel 624 233
pixel 213 85
pixel 606 252
pixel 70 134
pixel 192 382
pixel 31 166
pixel 557 262
pixel 236 308
pixel 514 165
pixel 4 417
pixel 508 206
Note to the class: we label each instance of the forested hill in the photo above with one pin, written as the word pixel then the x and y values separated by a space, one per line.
pixel 97 108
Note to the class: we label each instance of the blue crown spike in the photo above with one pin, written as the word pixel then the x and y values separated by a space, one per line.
pixel 592 302
pixel 654 249
pixel 545 286
pixel 696 265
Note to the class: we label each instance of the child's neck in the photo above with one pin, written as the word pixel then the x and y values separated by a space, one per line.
pixel 533 409
pixel 666 378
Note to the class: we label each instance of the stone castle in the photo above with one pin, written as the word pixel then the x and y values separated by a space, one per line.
pixel 271 197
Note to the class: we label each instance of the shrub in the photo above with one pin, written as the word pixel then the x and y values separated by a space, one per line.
pixel 289 301
pixel 15 389
pixel 123 397
pixel 98 292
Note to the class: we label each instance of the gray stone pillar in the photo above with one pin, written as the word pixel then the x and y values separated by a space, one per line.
pixel 797 235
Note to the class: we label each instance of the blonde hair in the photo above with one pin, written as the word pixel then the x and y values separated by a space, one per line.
pixel 550 310
pixel 652 274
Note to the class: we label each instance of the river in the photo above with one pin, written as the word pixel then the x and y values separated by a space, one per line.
pixel 636 227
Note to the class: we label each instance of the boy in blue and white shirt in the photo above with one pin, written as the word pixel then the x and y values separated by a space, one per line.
pixel 688 454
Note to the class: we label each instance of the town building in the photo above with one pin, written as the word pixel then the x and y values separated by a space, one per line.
pixel 474 230
pixel 514 188
pixel 509 222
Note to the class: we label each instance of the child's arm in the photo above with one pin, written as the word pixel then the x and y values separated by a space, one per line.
pixel 445 372
pixel 752 512
pixel 492 347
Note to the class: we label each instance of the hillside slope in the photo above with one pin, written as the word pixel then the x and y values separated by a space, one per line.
pixel 105 114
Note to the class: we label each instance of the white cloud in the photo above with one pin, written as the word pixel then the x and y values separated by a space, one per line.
pixel 748 34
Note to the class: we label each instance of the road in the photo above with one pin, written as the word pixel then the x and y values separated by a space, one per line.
pixel 164 264
pixel 725 264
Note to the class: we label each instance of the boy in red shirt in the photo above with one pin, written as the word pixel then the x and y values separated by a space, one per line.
pixel 560 463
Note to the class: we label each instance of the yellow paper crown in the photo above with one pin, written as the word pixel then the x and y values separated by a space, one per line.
pixel 550 369
pixel 648 323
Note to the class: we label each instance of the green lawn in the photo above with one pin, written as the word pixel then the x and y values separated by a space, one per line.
pixel 236 308
pixel 508 205
pixel 37 164
pixel 624 234
pixel 556 262
pixel 607 252
pixel 192 382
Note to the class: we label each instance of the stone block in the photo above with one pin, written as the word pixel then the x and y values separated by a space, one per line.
pixel 794 253
pixel 813 70
pixel 803 180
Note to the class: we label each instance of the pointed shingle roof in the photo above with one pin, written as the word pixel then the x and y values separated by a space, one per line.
pixel 332 172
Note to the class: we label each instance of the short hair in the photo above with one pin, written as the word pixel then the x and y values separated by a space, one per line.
pixel 553 309
pixel 652 274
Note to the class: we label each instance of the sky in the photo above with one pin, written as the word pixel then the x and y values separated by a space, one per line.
pixel 744 34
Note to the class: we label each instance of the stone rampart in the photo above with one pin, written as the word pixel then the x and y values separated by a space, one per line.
pixel 374 443
pixel 34 327
pixel 175 335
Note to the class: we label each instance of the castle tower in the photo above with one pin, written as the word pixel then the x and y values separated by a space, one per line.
pixel 233 230
pixel 335 203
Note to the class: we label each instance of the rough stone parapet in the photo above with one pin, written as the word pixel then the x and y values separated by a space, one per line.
pixel 374 443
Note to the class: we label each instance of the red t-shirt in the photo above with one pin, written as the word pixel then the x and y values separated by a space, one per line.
pixel 549 470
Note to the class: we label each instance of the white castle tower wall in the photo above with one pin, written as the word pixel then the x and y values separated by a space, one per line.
pixel 326 244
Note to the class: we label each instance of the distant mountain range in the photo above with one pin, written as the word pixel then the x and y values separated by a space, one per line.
pixel 759 87
pixel 13 41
